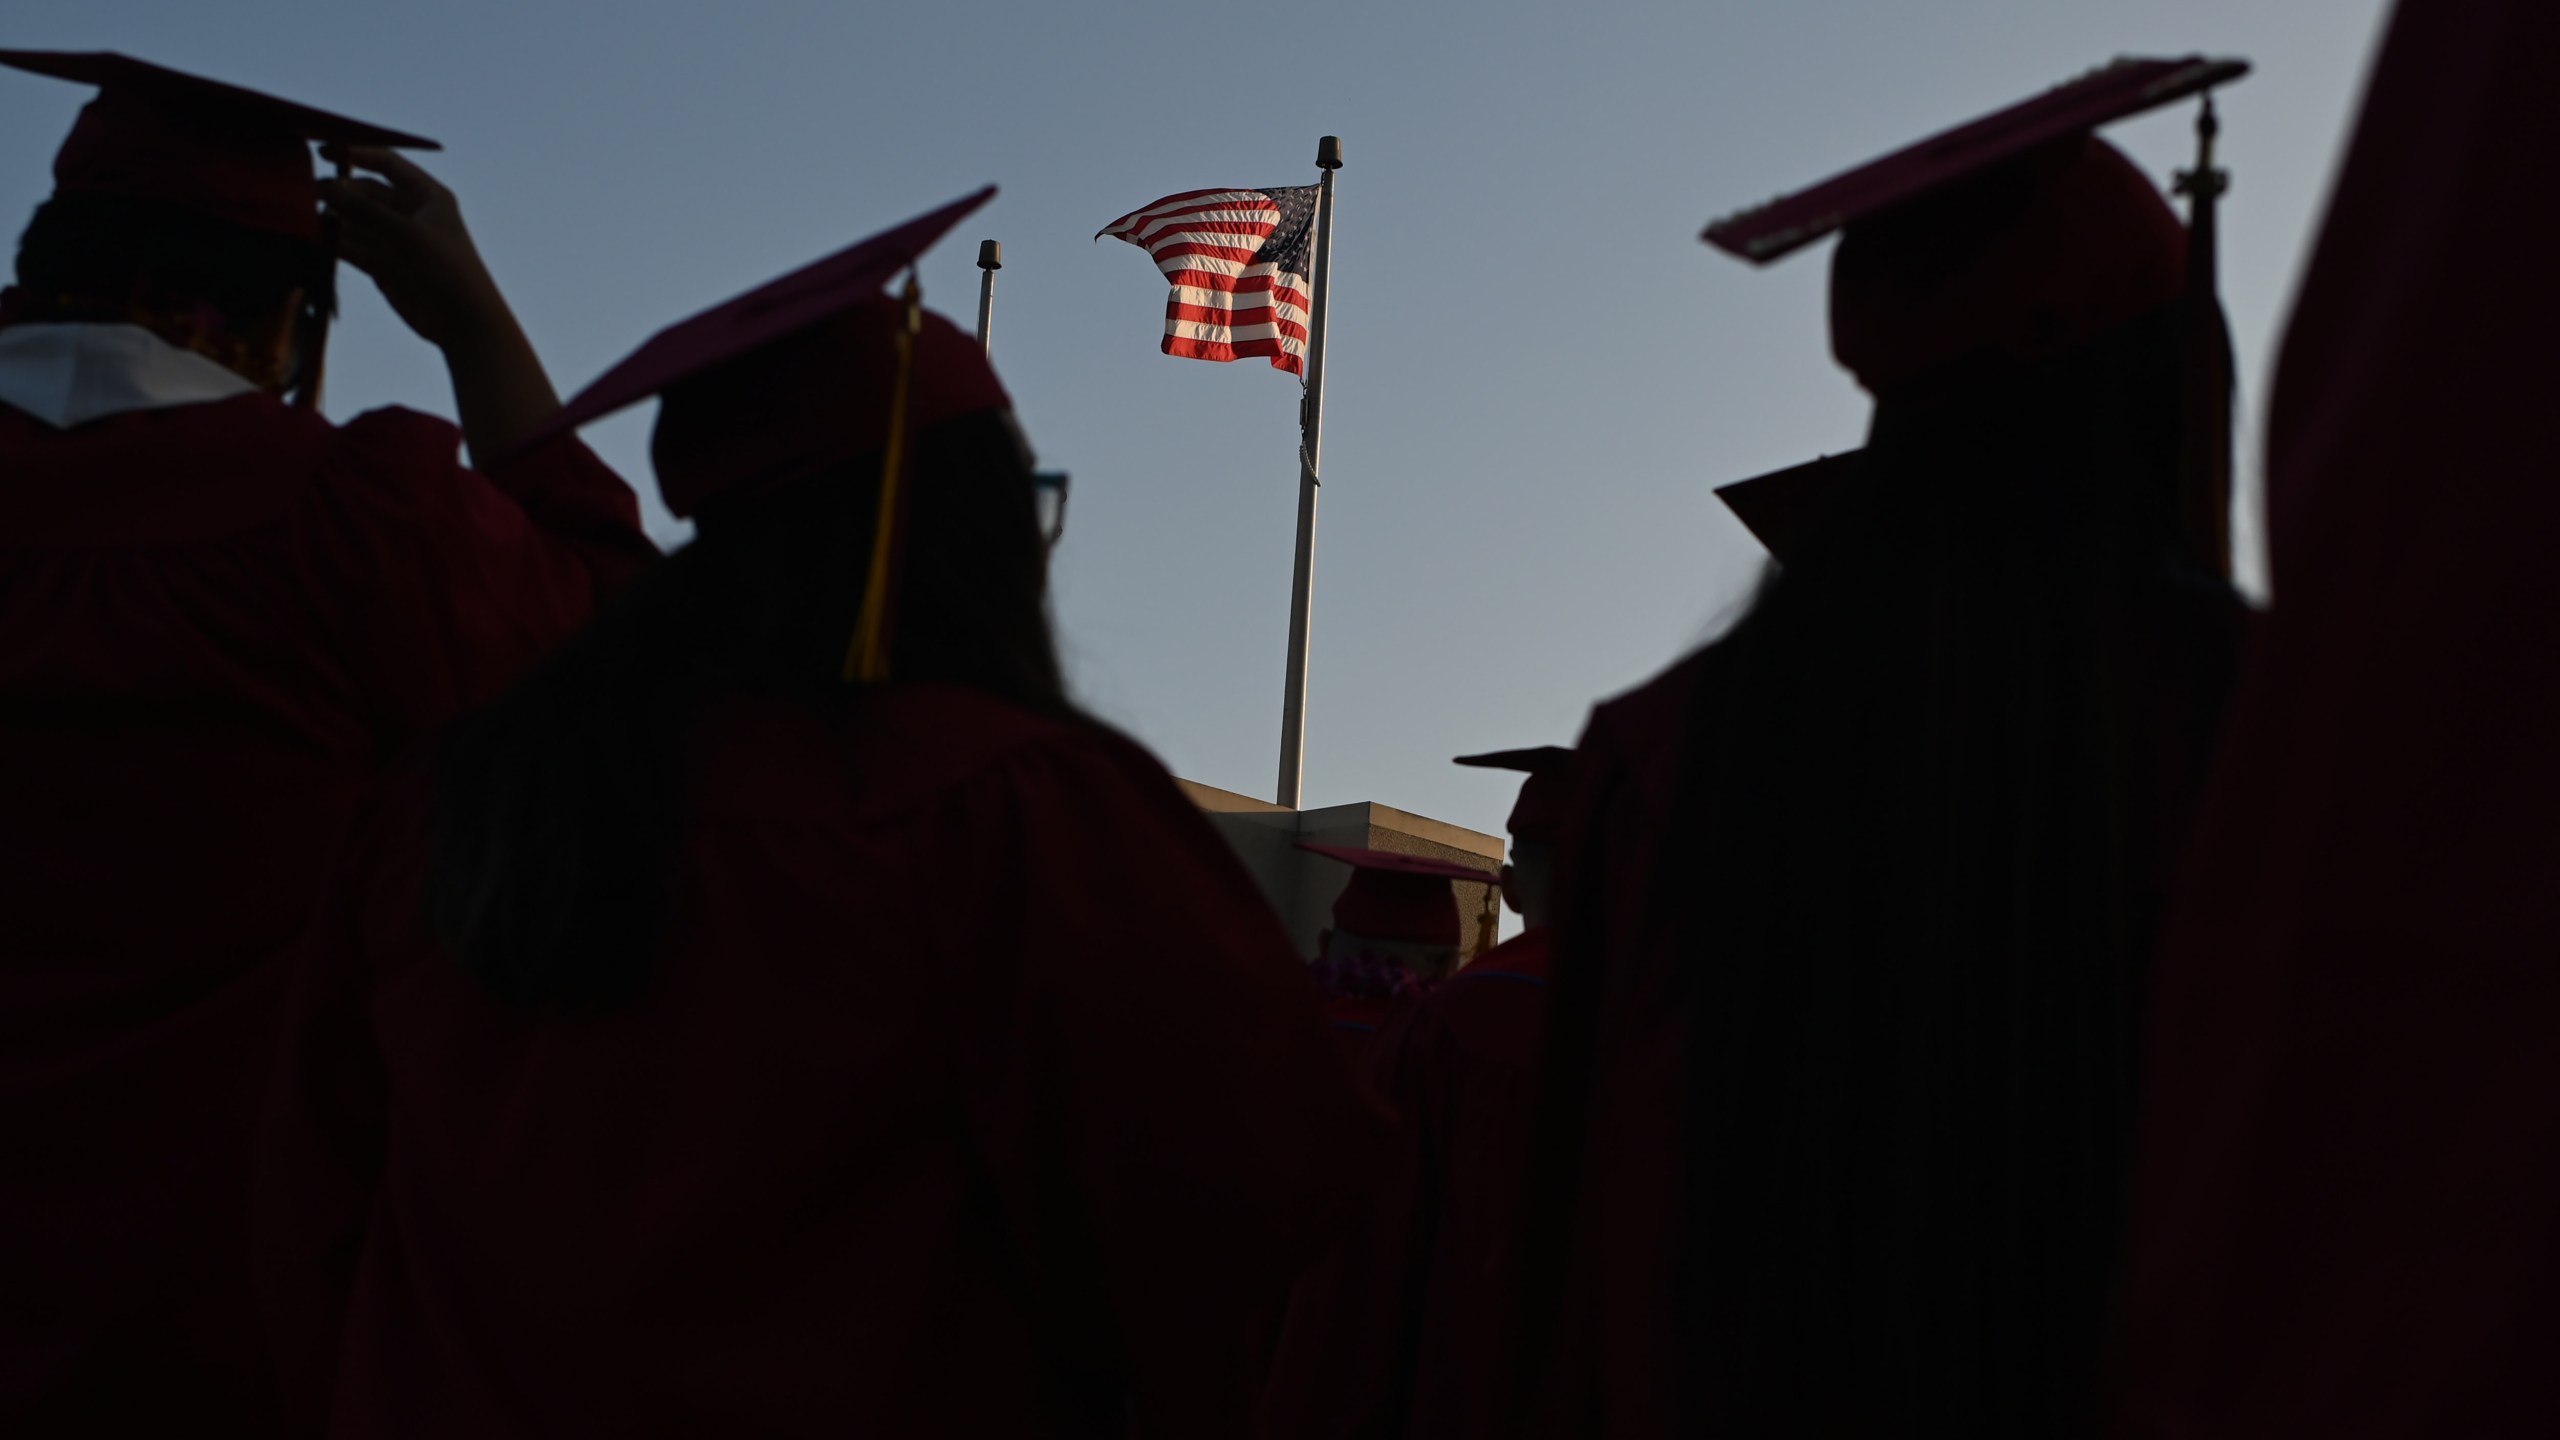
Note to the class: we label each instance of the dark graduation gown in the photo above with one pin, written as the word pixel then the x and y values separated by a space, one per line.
pixel 1407 1329
pixel 214 620
pixel 1609 1204
pixel 2349 1216
pixel 1607 1363
pixel 979 1093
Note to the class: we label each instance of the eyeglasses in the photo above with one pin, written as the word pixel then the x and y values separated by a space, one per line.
pixel 1049 495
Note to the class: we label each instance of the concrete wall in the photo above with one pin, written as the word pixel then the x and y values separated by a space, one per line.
pixel 1302 887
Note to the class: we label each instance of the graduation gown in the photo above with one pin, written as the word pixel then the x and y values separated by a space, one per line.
pixel 215 619
pixel 2349 1210
pixel 1408 1328
pixel 978 1093
pixel 1355 1021
pixel 1616 1157
pixel 1607 1363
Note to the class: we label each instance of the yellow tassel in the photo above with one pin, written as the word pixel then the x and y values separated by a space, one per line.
pixel 1489 924
pixel 315 324
pixel 866 659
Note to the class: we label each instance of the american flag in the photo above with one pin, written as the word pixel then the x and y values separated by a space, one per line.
pixel 1238 263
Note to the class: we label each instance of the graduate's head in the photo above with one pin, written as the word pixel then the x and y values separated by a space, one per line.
pixel 1537 825
pixel 2026 261
pixel 190 208
pixel 2019 233
pixel 797 409
pixel 1396 910
pixel 234 295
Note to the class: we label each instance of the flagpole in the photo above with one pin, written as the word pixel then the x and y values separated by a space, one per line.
pixel 1293 707
pixel 990 260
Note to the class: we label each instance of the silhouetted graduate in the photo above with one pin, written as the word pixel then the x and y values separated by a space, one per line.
pixel 1854 945
pixel 1406 1331
pixel 218 612
pixel 2351 1160
pixel 1396 930
pixel 814 1037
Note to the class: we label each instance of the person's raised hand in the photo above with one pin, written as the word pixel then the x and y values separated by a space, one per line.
pixel 406 232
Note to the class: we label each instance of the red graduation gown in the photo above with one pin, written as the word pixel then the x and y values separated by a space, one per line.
pixel 1356 1021
pixel 214 619
pixel 2349 1213
pixel 980 1094
pixel 1407 1329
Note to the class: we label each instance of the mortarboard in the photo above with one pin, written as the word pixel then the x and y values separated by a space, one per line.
pixel 2113 92
pixel 158 134
pixel 1399 897
pixel 1538 816
pixel 779 310
pixel 798 375
pixel 2019 232
pixel 1783 506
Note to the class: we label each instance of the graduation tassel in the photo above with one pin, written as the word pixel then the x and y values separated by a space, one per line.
pixel 1489 923
pixel 866 659
pixel 315 323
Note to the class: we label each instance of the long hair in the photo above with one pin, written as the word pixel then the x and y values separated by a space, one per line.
pixel 558 810
pixel 1922 840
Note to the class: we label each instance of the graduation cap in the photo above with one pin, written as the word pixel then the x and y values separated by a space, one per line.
pixel 2023 233
pixel 2113 92
pixel 1399 897
pixel 1538 816
pixel 154 133
pixel 796 377
pixel 1784 506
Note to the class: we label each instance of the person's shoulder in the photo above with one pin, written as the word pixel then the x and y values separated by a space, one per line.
pixel 1492 1013
pixel 1512 976
pixel 1525 958
pixel 1641 733
pixel 181 475
pixel 395 439
pixel 1660 703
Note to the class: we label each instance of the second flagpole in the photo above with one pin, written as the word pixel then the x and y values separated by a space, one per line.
pixel 1293 705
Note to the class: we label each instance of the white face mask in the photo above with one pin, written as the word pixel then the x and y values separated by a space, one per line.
pixel 67 375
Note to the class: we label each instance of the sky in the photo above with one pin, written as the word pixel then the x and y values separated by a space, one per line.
pixel 1535 372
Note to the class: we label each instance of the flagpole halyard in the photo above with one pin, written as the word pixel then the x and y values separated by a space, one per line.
pixel 1293 706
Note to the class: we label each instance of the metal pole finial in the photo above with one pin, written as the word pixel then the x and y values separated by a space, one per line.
pixel 990 260
pixel 1329 153
pixel 2207 181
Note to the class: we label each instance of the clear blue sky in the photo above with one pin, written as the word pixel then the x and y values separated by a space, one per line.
pixel 1536 371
